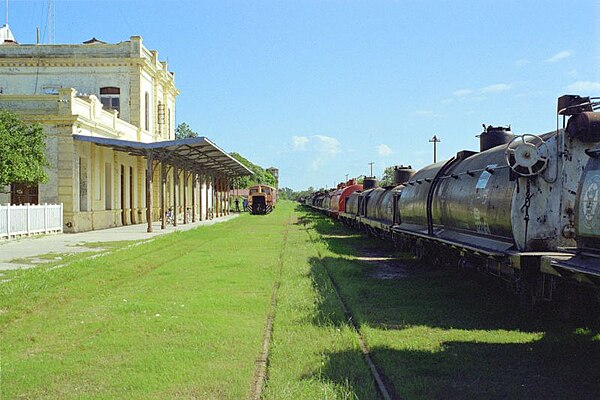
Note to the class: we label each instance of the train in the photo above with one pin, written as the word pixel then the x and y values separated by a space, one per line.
pixel 525 208
pixel 261 199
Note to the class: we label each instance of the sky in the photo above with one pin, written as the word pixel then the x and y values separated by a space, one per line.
pixel 319 89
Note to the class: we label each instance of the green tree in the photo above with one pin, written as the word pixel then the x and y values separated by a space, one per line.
pixel 285 193
pixel 388 177
pixel 22 158
pixel 184 131
pixel 260 177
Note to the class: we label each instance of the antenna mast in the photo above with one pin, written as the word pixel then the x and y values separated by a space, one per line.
pixel 6 12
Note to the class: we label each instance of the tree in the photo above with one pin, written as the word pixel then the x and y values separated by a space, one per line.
pixel 260 177
pixel 183 131
pixel 22 158
pixel 387 178
pixel 285 193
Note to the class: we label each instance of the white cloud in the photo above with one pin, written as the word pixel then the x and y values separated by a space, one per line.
pixel 319 149
pixel 521 62
pixel 581 87
pixel 462 92
pixel 559 56
pixel 572 73
pixel 475 95
pixel 384 150
pixel 299 142
pixel 326 144
pixel 497 88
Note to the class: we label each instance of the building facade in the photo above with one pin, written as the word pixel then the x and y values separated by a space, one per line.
pixel 118 92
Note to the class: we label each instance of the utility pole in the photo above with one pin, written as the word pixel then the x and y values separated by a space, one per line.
pixel 435 141
pixel 371 164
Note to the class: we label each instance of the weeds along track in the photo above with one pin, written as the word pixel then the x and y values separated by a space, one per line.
pixel 261 364
pixel 386 392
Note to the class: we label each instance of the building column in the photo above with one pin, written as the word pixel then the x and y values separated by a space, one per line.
pixel 175 189
pixel 149 179
pixel 200 202
pixel 194 182
pixel 163 194
pixel 185 181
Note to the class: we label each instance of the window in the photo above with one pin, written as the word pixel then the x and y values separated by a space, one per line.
pixel 109 97
pixel 147 111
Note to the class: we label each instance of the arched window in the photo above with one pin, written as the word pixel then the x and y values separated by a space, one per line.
pixel 109 97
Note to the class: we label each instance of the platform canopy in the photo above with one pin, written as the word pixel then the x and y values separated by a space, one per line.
pixel 196 153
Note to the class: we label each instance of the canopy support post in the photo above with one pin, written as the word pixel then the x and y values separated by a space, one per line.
pixel 194 191
pixel 175 190
pixel 149 178
pixel 163 194
pixel 185 181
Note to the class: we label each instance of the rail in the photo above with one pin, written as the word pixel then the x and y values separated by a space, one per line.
pixel 26 220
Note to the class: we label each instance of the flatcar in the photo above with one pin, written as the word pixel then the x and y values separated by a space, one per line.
pixel 525 208
pixel 261 199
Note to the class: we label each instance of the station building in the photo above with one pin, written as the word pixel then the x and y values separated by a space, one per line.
pixel 108 111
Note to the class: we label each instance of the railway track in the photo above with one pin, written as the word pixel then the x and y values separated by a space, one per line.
pixel 385 390
pixel 262 362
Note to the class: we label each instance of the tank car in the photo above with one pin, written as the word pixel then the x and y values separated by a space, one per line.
pixel 507 208
pixel 524 207
pixel 341 195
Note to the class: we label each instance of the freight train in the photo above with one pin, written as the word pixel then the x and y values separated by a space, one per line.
pixel 525 208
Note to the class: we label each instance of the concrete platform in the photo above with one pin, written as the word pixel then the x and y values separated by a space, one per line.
pixel 68 243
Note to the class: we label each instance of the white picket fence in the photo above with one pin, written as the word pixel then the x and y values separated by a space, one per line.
pixel 28 219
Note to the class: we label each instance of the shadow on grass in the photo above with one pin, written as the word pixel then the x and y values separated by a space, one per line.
pixel 563 363
pixel 551 368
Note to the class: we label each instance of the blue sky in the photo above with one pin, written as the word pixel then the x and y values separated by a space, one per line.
pixel 321 88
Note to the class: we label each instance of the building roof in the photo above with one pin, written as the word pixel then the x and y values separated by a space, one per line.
pixel 197 153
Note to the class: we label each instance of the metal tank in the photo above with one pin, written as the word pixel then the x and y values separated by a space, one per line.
pixel 412 204
pixel 371 200
pixel 352 203
pixel 402 174
pixel 369 183
pixel 385 206
pixel 493 136
pixel 346 192
pixel 474 197
pixel 587 222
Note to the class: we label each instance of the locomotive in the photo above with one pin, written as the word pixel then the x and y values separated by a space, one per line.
pixel 525 207
pixel 261 199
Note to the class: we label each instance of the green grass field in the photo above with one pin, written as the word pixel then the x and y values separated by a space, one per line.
pixel 183 316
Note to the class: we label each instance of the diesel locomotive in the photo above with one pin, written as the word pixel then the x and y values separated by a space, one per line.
pixel 261 199
pixel 524 207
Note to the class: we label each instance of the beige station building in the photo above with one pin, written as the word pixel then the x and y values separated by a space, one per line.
pixel 109 114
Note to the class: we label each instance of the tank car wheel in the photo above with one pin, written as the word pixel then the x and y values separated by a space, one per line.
pixel 525 157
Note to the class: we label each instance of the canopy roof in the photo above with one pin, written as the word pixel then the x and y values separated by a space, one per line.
pixel 196 153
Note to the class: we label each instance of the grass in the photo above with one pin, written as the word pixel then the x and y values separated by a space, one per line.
pixel 179 317
pixel 440 334
pixel 183 316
